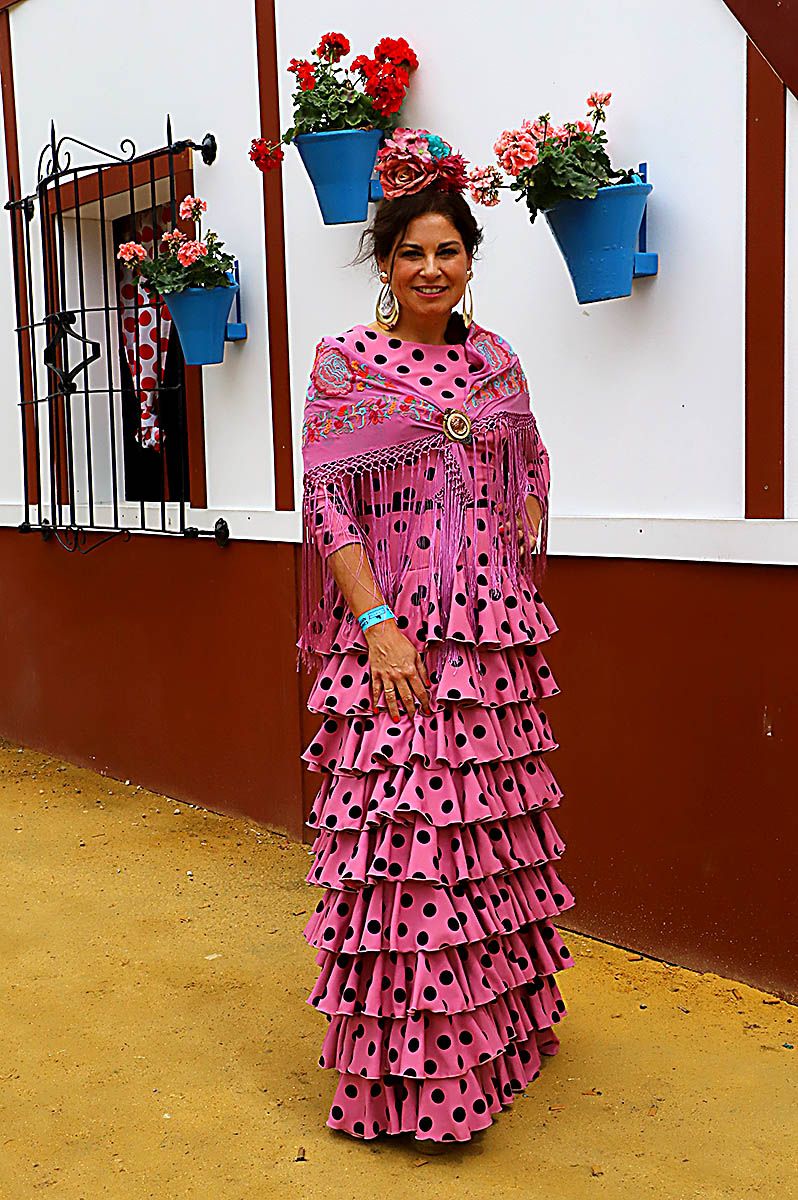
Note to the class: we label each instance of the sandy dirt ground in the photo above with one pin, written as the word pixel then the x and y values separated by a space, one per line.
pixel 156 1041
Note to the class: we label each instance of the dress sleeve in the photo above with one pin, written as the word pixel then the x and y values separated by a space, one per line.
pixel 332 526
pixel 329 505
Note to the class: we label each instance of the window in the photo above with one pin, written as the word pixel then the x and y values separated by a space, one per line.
pixel 111 416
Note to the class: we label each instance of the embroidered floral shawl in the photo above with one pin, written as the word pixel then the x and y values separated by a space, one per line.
pixel 381 470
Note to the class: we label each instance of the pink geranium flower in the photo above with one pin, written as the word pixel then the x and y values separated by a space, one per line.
pixel 131 252
pixel 173 239
pixel 539 130
pixel 191 208
pixel 190 251
pixel 598 99
pixel 516 149
pixel 484 184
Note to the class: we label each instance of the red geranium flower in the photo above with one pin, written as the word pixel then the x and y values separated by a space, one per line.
pixel 264 156
pixel 385 84
pixel 304 73
pixel 396 51
pixel 332 46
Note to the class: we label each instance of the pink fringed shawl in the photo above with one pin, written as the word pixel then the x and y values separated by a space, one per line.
pixel 381 470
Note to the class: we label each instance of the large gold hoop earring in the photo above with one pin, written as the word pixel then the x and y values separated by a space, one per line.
pixel 387 307
pixel 468 310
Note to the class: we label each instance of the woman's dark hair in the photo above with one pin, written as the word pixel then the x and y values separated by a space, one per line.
pixel 392 220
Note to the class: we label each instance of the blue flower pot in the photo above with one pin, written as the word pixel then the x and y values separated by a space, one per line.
pixel 200 316
pixel 598 239
pixel 340 163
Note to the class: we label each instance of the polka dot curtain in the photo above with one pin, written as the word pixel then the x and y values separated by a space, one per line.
pixel 145 331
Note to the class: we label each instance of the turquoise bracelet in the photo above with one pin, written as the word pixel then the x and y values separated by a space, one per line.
pixel 374 615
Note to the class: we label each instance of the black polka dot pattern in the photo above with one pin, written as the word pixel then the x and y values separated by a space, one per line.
pixel 435 844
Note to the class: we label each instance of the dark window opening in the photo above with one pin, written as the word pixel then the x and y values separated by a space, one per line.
pixel 153 378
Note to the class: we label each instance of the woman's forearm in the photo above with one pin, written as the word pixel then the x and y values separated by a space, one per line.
pixel 352 572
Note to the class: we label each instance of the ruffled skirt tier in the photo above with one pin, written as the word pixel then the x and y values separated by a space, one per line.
pixel 437 852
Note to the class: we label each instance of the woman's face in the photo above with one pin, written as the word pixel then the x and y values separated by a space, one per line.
pixel 430 267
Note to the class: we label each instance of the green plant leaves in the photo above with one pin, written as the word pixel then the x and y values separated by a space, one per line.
pixel 573 170
pixel 166 274
pixel 334 103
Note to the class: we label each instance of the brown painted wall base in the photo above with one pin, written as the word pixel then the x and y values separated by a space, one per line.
pixel 173 663
pixel 163 660
pixel 678 731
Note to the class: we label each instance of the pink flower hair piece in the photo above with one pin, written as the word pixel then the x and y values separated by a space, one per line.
pixel 412 159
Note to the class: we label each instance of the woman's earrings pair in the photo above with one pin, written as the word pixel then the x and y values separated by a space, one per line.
pixel 387 307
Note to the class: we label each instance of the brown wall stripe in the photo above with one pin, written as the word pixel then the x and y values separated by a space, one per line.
pixel 279 366
pixel 764 288
pixel 772 25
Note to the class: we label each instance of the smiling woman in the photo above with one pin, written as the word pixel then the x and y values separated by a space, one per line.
pixel 426 488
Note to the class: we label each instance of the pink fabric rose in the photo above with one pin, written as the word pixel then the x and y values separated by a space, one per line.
pixel 410 140
pixel 401 172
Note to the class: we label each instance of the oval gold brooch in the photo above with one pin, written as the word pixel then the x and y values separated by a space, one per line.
pixel 457 425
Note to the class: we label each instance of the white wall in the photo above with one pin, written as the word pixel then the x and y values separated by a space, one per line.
pixel 10 420
pixel 641 401
pixel 105 71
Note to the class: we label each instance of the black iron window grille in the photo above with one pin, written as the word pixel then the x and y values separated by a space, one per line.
pixel 111 416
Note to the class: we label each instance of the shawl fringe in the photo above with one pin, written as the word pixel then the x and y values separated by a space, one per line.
pixel 407 482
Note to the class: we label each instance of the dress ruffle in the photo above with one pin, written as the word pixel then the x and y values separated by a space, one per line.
pixel 452 980
pixel 474 793
pixel 390 916
pixel 440 1044
pixel 512 614
pixel 451 737
pixel 494 678
pixel 447 1110
pixel 417 850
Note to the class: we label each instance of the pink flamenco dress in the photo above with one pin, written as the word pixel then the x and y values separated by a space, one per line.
pixel 435 845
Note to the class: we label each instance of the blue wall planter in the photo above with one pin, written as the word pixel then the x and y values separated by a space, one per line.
pixel 598 240
pixel 200 316
pixel 340 163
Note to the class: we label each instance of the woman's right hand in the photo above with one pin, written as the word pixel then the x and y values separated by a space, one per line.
pixel 397 670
